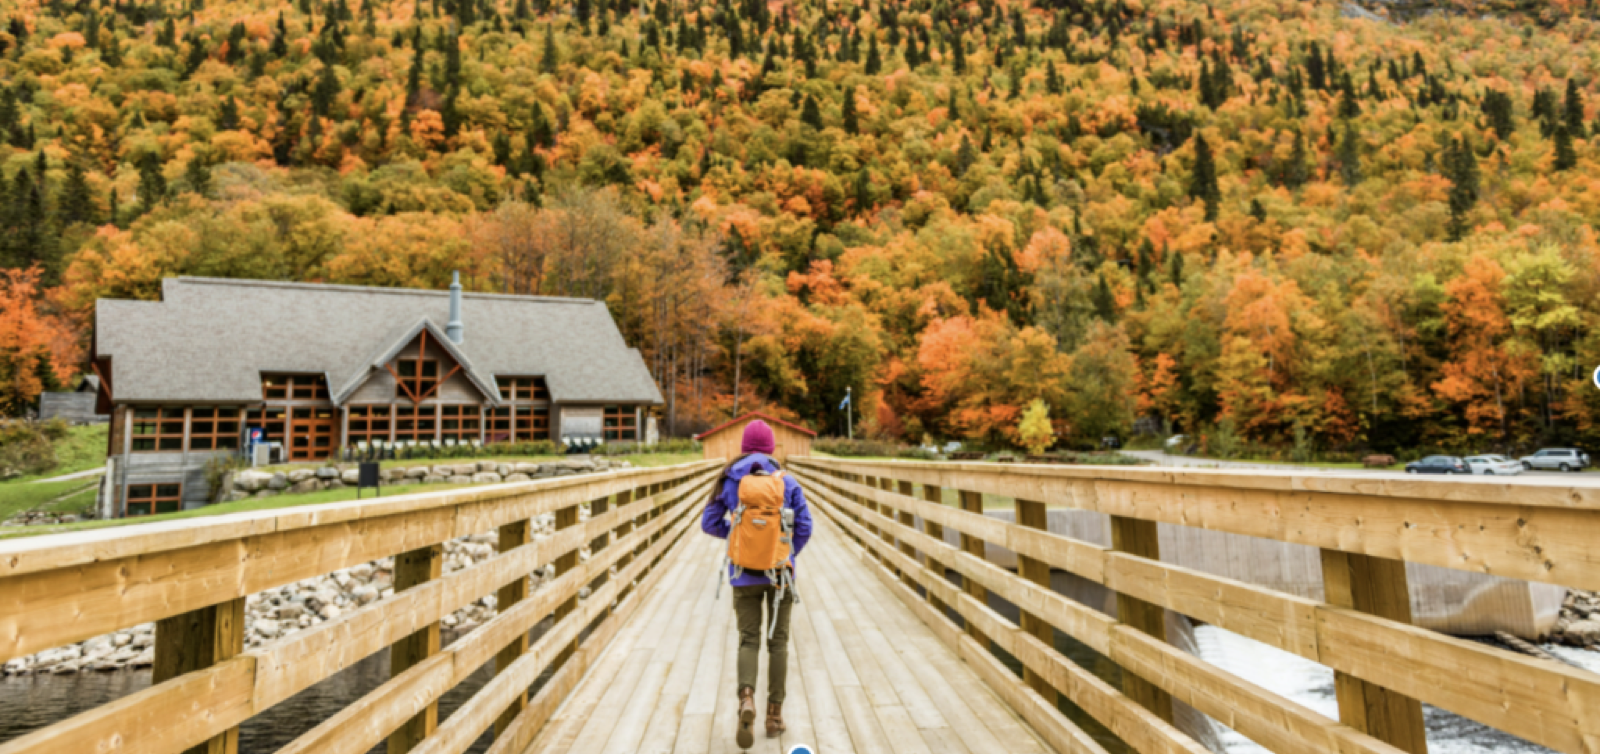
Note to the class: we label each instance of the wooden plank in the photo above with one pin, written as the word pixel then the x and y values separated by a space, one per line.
pixel 1376 586
pixel 660 735
pixel 972 502
pixel 1512 528
pixel 512 536
pixel 933 495
pixel 411 569
pixel 197 640
pixel 1031 514
pixel 827 717
pixel 1138 537
pixel 909 520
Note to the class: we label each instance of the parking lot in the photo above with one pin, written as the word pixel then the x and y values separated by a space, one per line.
pixel 1587 477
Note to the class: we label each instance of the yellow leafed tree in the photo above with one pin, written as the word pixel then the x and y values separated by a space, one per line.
pixel 1035 431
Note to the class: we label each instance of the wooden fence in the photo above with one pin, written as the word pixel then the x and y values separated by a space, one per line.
pixel 192 578
pixel 1367 528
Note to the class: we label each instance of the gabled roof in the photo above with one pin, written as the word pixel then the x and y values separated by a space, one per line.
pixel 390 349
pixel 208 340
pixel 753 415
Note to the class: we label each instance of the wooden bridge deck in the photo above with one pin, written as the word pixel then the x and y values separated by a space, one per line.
pixel 865 674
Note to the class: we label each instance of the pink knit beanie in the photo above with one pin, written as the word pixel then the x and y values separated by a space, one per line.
pixel 757 438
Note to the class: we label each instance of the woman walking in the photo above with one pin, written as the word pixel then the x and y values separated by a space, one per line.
pixel 762 512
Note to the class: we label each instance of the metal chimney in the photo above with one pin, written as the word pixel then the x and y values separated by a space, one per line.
pixel 454 329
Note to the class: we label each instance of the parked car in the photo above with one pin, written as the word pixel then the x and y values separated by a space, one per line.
pixel 1557 459
pixel 1491 465
pixel 1439 465
pixel 1174 441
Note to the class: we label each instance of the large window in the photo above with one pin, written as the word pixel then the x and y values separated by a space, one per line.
pixel 418 377
pixel 369 424
pixel 295 387
pixel 619 423
pixel 414 423
pixel 157 429
pixel 312 433
pixel 150 499
pixel 459 422
pixel 523 390
pixel 214 429
pixel 520 424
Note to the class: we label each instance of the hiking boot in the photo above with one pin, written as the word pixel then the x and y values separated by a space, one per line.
pixel 775 719
pixel 746 737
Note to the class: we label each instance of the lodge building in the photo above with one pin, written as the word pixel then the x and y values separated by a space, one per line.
pixel 318 367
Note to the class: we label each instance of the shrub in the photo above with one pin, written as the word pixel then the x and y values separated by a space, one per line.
pixel 835 446
pixel 26 447
pixel 676 445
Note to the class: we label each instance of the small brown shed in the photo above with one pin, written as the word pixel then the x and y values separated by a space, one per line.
pixel 723 442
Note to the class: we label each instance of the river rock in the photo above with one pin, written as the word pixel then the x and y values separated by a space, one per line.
pixel 279 481
pixel 365 594
pixel 267 628
pixel 486 477
pixel 251 480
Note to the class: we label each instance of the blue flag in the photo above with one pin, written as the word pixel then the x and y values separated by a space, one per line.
pixel 844 402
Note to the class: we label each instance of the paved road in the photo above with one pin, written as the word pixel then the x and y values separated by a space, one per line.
pixel 1163 459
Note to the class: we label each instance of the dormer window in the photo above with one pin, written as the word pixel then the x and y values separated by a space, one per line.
pixel 418 377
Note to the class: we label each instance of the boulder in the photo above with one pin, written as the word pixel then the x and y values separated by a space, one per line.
pixel 352 476
pixel 503 469
pixel 328 472
pixel 487 466
pixel 251 480
pixel 279 481
pixel 465 469
pixel 417 472
pixel 235 496
pixel 394 474
pixel 486 477
pixel 444 470
pixel 1584 632
pixel 458 479
pixel 575 464
pixel 518 478
pixel 267 629
pixel 333 484
pixel 305 485
pixel 290 611
pixel 300 475
pixel 267 493
pixel 364 594
pixel 434 479
pixel 525 468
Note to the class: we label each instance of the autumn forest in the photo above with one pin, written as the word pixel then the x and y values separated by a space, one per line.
pixel 1300 221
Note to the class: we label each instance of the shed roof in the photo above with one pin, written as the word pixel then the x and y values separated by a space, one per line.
pixel 753 415
pixel 209 339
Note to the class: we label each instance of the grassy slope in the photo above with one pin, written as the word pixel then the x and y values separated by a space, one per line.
pixel 82 449
pixel 310 498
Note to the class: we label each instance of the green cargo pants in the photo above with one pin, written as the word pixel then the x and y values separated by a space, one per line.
pixel 753 626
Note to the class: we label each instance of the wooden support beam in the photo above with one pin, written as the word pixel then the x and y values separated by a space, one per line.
pixel 197 640
pixel 1376 586
pixel 512 536
pixel 597 508
pixel 909 521
pixel 1032 514
pixel 972 502
pixel 935 495
pixel 412 569
pixel 1138 537
pixel 566 518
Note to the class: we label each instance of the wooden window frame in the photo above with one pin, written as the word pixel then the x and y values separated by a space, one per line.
pixel 468 420
pixel 418 387
pixel 265 418
pixel 626 428
pixel 166 427
pixel 216 438
pixel 524 411
pixel 367 415
pixel 295 388
pixel 417 415
pixel 154 496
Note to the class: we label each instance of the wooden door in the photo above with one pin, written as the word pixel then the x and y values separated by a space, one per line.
pixel 313 433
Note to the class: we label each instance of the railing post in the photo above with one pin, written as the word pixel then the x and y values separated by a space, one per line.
pixel 909 521
pixel 597 508
pixel 1138 537
pixel 196 640
pixel 512 536
pixel 412 569
pixel 972 502
pixel 1376 586
pixel 869 505
pixel 934 495
pixel 1032 514
pixel 566 518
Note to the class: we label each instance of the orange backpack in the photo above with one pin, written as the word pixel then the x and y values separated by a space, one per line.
pixel 762 535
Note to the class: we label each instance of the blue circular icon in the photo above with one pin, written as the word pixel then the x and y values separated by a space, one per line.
pixel 1597 376
pixel 801 749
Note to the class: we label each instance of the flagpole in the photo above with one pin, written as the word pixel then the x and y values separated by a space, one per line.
pixel 849 413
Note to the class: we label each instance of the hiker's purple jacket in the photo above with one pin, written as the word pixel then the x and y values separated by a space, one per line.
pixel 715 521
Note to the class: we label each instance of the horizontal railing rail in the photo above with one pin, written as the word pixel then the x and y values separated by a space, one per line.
pixel 1383 665
pixel 192 577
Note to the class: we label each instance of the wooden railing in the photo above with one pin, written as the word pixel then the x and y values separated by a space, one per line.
pixel 192 578
pixel 1367 528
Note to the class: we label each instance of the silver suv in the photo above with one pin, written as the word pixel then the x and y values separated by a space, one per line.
pixel 1556 459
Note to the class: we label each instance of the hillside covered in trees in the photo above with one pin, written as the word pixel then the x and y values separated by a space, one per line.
pixel 1273 214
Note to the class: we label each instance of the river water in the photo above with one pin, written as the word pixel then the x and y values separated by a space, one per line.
pixel 28 703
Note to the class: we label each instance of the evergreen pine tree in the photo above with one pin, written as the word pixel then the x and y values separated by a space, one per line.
pixel 1295 172
pixel 1349 156
pixel 325 93
pixel 958 53
pixel 198 175
pixel 1052 78
pixel 228 115
pixel 1203 183
pixel 280 38
pixel 76 203
pixel 1257 212
pixel 863 190
pixel 550 59
pixel 1462 170
pixel 1105 304
pixel 502 149
pixel 152 184
pixel 1566 156
pixel 1572 109
pixel 810 113
pixel 848 114
pixel 966 156
pixel 874 60
pixel 1177 270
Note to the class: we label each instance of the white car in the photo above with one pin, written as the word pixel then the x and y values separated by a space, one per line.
pixel 1174 441
pixel 1556 459
pixel 1492 464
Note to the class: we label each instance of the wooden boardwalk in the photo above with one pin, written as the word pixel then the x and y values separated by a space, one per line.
pixel 865 674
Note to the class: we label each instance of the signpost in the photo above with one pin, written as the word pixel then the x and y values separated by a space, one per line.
pixel 367 476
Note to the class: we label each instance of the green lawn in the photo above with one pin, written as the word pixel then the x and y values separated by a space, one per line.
pixel 16 497
pixel 641 460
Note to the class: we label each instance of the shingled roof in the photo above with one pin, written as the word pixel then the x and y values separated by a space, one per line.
pixel 208 340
